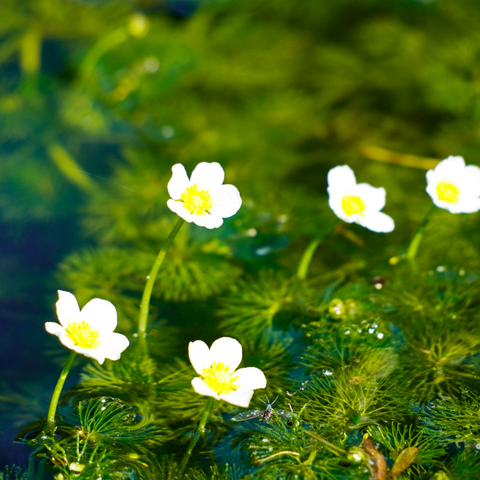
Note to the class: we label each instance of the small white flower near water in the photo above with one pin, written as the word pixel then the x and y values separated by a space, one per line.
pixel 219 377
pixel 89 331
pixel 355 202
pixel 202 199
pixel 454 186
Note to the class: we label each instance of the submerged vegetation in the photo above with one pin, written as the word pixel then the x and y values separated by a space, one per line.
pixel 369 341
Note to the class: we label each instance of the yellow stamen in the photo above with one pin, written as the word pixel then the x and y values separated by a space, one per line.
pixel 352 205
pixel 219 378
pixel 197 202
pixel 82 335
pixel 448 192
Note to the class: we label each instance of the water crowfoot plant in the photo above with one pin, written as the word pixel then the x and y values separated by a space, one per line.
pixel 353 203
pixel 203 200
pixel 89 332
pixel 452 186
pixel 220 380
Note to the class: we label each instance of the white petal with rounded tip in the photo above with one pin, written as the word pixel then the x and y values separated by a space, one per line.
pixel 450 166
pixel 100 315
pixel 199 355
pixel 180 210
pixel 179 182
pixel 373 197
pixel 113 345
pixel 250 378
pixel 207 175
pixel 226 350
pixel 97 354
pixel 54 328
pixel 240 397
pixel 469 205
pixel 67 308
pixel 378 222
pixel 341 177
pixel 203 389
pixel 226 201
pixel 207 221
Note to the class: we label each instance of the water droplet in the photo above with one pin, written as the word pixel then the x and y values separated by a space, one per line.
pixel 151 64
pixel 378 282
pixel 167 132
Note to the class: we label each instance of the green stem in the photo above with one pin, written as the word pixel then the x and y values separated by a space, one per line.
pixel 333 448
pixel 308 254
pixel 58 390
pixel 417 238
pixel 147 292
pixel 112 40
pixel 200 431
pixel 69 167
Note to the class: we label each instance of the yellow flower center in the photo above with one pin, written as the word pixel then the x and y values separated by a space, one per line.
pixel 82 335
pixel 219 378
pixel 196 201
pixel 352 205
pixel 447 192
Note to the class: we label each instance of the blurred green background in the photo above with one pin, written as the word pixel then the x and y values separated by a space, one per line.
pixel 99 98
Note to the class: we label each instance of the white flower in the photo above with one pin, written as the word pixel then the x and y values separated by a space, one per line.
pixel 357 203
pixel 218 375
pixel 90 331
pixel 203 199
pixel 454 186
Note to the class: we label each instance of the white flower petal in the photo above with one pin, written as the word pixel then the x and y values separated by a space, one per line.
pixel 251 378
pixel 199 355
pixel 203 389
pixel 67 308
pixel 97 354
pixel 373 197
pixel 207 175
pixel 450 166
pixel 179 182
pixel 228 351
pixel 341 177
pixel 378 222
pixel 469 205
pixel 471 182
pixel 240 397
pixel 113 345
pixel 466 179
pixel 207 221
pixel 100 315
pixel 180 210
pixel 226 201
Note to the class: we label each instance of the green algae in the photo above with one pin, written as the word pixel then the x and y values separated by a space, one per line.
pixel 364 344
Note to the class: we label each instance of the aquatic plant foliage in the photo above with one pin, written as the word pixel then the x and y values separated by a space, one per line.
pixel 372 355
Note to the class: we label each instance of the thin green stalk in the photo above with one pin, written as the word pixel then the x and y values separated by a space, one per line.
pixel 333 448
pixel 417 238
pixel 308 254
pixel 147 292
pixel 200 431
pixel 112 40
pixel 58 390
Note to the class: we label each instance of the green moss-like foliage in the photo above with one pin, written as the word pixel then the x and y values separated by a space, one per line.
pixel 97 111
